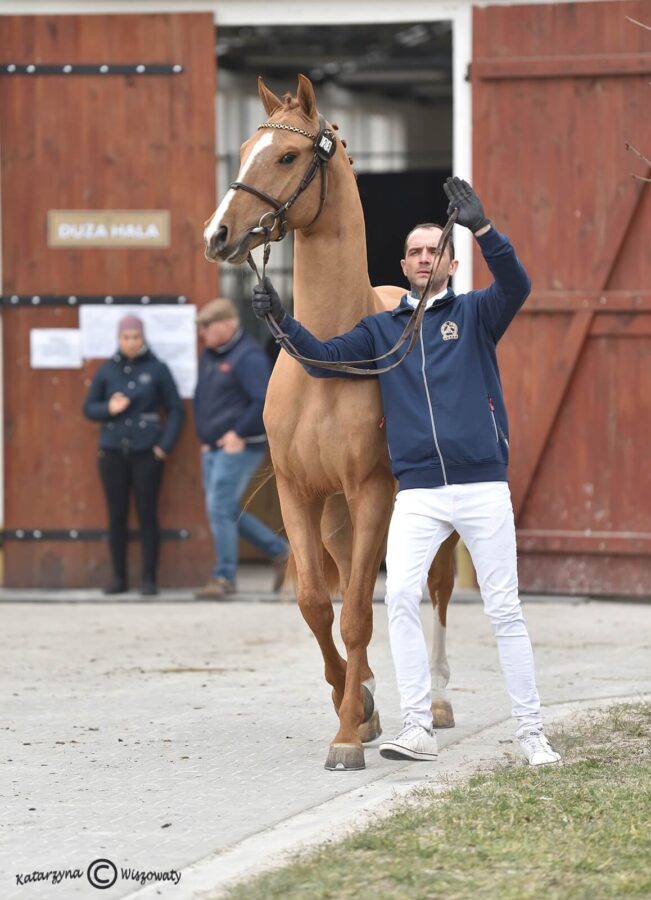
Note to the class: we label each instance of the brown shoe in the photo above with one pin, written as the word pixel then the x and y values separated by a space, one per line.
pixel 279 565
pixel 217 589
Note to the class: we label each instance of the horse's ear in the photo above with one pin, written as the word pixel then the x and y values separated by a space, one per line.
pixel 269 99
pixel 306 96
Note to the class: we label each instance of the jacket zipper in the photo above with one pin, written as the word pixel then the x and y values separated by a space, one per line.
pixel 498 432
pixel 431 413
pixel 492 409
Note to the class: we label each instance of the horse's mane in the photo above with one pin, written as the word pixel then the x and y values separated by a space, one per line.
pixel 290 102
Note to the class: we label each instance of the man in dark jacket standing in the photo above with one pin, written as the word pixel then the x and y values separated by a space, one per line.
pixel 228 403
pixel 126 396
pixel 447 431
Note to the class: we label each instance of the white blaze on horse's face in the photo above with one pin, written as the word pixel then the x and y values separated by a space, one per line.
pixel 217 220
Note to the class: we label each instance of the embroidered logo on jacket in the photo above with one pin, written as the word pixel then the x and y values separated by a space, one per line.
pixel 144 378
pixel 450 331
pixel 224 367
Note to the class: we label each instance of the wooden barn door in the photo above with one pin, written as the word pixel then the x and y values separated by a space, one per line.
pixel 558 91
pixel 87 138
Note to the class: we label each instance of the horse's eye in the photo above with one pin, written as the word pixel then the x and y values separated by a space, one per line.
pixel 287 159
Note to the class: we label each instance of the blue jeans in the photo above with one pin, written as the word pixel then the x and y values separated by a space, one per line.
pixel 225 479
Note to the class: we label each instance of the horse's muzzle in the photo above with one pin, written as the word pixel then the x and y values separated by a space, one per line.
pixel 215 245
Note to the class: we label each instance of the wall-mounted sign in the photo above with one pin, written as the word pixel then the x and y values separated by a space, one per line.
pixel 108 228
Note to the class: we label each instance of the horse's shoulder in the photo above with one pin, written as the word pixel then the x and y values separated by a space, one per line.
pixel 388 296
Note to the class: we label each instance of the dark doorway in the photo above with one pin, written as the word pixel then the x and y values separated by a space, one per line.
pixel 393 203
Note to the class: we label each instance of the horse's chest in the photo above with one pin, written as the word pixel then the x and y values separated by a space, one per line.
pixel 325 427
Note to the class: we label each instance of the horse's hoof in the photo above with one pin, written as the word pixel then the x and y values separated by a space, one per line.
pixel 345 757
pixel 370 730
pixel 442 714
pixel 369 703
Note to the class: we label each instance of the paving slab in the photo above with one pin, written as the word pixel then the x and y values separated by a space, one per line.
pixel 159 735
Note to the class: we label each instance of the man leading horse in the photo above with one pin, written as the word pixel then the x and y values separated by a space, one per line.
pixel 447 431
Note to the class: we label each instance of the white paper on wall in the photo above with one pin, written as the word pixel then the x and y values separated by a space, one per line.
pixel 170 333
pixel 55 348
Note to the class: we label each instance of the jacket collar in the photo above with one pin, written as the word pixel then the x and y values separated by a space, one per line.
pixel 143 354
pixel 405 307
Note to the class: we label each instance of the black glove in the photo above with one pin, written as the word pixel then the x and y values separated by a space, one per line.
pixel 463 198
pixel 267 302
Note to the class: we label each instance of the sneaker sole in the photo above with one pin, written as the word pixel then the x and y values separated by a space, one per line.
pixel 392 751
pixel 548 762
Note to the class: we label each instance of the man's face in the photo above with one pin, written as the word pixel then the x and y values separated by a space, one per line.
pixel 419 259
pixel 215 334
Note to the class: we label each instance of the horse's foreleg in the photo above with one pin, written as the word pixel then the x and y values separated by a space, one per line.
pixel 337 537
pixel 301 518
pixel 440 583
pixel 370 507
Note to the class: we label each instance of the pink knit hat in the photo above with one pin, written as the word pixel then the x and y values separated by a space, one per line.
pixel 131 323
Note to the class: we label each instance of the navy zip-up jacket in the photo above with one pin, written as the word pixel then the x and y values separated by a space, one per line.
pixel 231 390
pixel 149 384
pixel 444 409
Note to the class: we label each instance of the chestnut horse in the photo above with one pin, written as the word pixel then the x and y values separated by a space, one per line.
pixel 326 438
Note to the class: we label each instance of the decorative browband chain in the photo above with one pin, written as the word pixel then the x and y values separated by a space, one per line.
pixel 306 134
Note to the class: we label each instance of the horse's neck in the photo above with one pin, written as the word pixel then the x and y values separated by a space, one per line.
pixel 332 291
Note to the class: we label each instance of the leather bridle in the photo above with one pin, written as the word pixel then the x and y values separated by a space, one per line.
pixel 325 145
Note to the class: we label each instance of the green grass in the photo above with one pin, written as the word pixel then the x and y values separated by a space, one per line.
pixel 580 831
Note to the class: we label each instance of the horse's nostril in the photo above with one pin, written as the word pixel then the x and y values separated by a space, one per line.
pixel 218 239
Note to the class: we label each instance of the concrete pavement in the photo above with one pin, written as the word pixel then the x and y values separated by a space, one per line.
pixel 172 736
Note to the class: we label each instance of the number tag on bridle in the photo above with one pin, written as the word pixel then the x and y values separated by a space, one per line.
pixel 325 144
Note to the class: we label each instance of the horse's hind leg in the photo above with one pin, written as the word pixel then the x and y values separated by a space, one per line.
pixel 440 583
pixel 337 537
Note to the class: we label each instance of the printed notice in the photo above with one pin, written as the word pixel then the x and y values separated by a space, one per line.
pixel 55 348
pixel 170 333
pixel 108 228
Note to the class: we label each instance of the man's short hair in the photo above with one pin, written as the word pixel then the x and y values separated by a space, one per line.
pixel 429 225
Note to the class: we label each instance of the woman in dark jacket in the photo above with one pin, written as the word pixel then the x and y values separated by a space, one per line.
pixel 126 396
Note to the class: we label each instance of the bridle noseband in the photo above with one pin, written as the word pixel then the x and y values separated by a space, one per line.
pixel 325 145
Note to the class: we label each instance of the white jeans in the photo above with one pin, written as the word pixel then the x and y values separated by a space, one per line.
pixel 422 519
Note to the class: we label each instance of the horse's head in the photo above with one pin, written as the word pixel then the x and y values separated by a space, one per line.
pixel 281 182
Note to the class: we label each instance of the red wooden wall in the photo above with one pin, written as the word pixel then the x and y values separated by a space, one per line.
pixel 558 90
pixel 97 142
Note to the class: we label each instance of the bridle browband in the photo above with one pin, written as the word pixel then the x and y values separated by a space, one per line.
pixel 325 145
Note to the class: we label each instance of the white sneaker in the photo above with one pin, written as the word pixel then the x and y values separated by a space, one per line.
pixel 538 750
pixel 413 742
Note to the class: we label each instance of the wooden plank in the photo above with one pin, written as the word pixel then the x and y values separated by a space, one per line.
pixel 633 325
pixel 534 540
pixel 557 381
pixel 597 301
pixel 597 65
pixel 585 574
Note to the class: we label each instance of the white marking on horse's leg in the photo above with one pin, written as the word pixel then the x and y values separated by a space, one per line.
pixel 215 223
pixel 439 665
